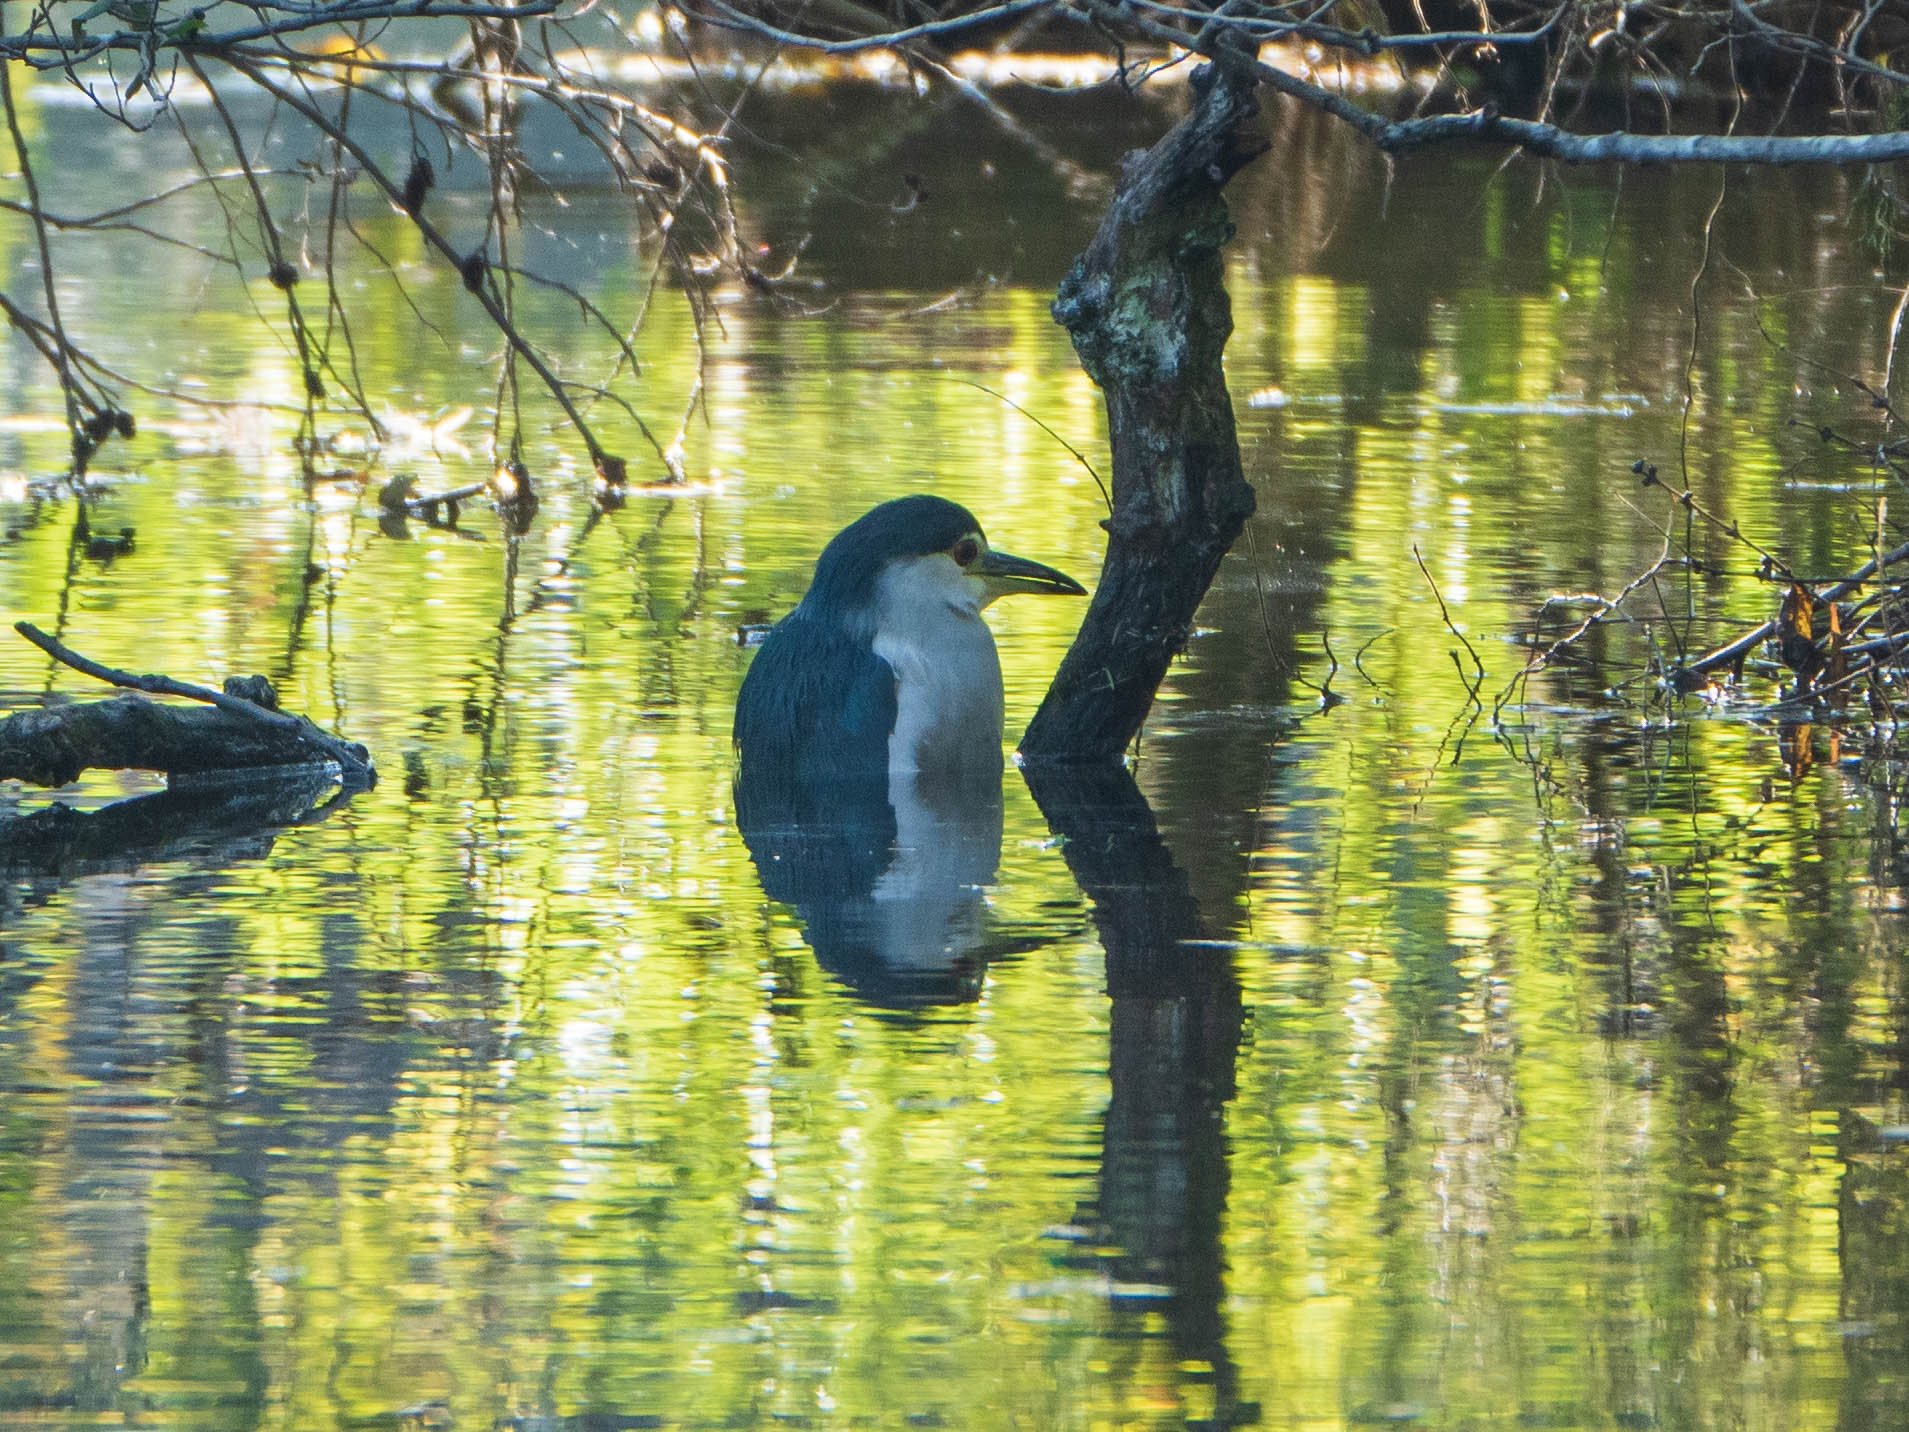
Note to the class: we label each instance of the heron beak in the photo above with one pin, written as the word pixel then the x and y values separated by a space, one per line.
pixel 1002 573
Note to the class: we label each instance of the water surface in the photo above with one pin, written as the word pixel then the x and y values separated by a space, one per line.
pixel 1545 1073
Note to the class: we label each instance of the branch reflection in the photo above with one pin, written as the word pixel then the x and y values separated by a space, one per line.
pixel 888 877
pixel 1174 1039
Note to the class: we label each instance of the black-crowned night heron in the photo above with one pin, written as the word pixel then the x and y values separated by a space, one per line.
pixel 886 665
pixel 869 731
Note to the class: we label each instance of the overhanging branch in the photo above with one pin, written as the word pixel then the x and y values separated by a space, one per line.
pixel 1234 35
pixel 49 49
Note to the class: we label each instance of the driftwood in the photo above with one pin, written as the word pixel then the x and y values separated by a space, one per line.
pixel 242 730
pixel 1146 306
pixel 1688 676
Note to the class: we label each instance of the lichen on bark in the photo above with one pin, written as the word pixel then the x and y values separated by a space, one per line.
pixel 1147 309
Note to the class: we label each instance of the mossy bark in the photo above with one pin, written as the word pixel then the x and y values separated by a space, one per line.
pixel 1147 308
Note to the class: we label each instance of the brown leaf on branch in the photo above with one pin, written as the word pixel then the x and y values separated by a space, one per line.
pixel 1795 643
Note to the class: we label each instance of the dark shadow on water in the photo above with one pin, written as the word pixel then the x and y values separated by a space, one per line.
pixel 888 879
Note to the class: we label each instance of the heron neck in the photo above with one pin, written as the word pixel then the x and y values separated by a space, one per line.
pixel 948 715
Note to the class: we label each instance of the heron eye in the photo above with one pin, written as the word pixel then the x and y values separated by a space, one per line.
pixel 966 550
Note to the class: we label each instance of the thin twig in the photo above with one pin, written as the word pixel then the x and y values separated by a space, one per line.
pixel 1687 499
pixel 154 685
pixel 1358 657
pixel 1471 686
pixel 474 268
pixel 62 360
pixel 1079 457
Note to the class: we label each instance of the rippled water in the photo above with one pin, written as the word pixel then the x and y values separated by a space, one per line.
pixel 1425 1073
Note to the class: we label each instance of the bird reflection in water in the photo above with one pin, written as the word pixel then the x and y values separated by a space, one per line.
pixel 868 737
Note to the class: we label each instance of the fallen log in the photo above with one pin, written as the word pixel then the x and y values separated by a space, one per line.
pixel 239 728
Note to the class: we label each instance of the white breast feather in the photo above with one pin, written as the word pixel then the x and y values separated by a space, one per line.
pixel 947 675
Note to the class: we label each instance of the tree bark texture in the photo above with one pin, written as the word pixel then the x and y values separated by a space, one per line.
pixel 50 747
pixel 1146 306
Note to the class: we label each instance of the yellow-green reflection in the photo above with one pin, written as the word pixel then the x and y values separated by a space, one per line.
pixel 1568 1088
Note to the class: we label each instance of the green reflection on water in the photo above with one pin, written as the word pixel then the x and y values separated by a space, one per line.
pixel 1563 1090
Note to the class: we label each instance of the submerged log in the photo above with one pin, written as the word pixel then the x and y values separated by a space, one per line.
pixel 239 728
pixel 1147 309
pixel 52 746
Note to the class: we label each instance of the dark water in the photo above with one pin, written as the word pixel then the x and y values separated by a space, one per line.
pixel 1425 1069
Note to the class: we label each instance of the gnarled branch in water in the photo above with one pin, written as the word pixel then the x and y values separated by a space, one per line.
pixel 1146 306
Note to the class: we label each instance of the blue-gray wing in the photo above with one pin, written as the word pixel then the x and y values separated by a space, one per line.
pixel 815 706
pixel 812 724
